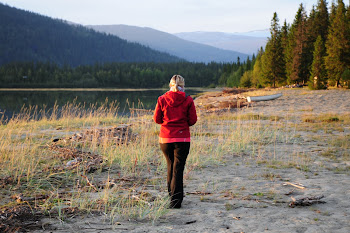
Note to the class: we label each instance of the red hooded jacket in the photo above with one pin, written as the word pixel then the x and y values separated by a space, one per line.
pixel 175 112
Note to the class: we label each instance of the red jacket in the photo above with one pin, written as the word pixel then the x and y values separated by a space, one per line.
pixel 176 113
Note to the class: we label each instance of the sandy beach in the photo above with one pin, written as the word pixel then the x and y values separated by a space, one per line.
pixel 253 193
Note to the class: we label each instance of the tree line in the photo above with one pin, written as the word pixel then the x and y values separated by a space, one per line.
pixel 313 50
pixel 111 75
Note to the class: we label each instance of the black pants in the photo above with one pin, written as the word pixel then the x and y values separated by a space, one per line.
pixel 175 154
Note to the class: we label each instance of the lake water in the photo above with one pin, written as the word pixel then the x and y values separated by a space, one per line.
pixel 11 101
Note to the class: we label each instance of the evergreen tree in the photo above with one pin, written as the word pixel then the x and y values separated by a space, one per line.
pixel 257 70
pixel 284 37
pixel 333 12
pixel 347 54
pixel 318 71
pixel 235 77
pixel 297 62
pixel 318 21
pixel 337 45
pixel 312 24
pixel 317 25
pixel 273 62
pixel 322 19
pixel 246 80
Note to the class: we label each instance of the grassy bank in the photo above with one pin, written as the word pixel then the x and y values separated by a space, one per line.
pixel 72 165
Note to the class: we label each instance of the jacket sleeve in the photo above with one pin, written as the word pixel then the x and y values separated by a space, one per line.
pixel 192 114
pixel 158 114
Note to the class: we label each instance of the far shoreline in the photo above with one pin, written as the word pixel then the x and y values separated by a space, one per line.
pixel 96 89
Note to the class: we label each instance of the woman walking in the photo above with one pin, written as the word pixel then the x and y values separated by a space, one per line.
pixel 175 112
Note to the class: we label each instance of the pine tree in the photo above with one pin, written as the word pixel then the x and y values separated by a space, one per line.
pixel 318 71
pixel 337 44
pixel 347 54
pixel 322 19
pixel 312 25
pixel 273 62
pixel 297 62
pixel 317 25
pixel 284 36
pixel 333 12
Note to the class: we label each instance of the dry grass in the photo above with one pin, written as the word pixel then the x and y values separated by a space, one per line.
pixel 130 180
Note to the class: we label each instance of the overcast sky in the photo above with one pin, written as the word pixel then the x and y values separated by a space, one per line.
pixel 170 16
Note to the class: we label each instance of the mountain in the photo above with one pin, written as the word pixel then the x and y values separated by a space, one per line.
pixel 256 33
pixel 171 44
pixel 248 42
pixel 27 36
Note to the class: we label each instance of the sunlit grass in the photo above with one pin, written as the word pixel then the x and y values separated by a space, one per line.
pixel 130 180
pixel 261 92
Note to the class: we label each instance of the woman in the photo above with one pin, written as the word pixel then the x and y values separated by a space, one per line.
pixel 175 111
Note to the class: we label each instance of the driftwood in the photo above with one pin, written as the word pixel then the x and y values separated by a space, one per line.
pixel 88 161
pixel 218 101
pixel 299 186
pixel 306 201
pixel 89 183
pixel 199 193
pixel 20 198
pixel 119 134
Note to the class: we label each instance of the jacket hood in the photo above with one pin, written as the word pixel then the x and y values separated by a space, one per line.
pixel 174 99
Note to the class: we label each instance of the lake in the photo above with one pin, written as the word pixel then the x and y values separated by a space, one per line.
pixel 12 100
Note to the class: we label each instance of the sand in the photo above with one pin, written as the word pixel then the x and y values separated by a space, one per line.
pixel 246 195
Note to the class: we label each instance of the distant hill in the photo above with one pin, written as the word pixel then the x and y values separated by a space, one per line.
pixel 248 42
pixel 27 36
pixel 171 44
pixel 256 33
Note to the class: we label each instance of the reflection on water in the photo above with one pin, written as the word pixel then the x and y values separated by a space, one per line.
pixel 11 101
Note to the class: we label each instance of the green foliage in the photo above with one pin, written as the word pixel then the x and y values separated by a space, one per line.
pixel 337 44
pixel 314 45
pixel 297 52
pixel 246 80
pixel 234 79
pixel 273 62
pixel 321 20
pixel 232 73
pixel 346 77
pixel 122 75
pixel 318 71
pixel 257 79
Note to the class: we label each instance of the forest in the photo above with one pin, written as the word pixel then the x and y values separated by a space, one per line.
pixel 111 75
pixel 314 50
pixel 26 36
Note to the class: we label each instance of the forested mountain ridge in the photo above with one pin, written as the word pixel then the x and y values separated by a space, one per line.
pixel 27 36
pixel 166 42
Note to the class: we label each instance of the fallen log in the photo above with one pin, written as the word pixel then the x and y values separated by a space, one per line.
pixel 306 201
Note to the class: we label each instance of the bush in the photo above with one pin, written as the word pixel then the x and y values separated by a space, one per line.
pixel 246 80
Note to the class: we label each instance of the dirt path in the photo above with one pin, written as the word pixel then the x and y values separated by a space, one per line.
pixel 249 194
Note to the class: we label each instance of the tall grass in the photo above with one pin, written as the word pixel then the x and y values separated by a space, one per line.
pixel 127 183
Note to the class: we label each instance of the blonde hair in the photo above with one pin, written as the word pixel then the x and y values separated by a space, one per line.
pixel 177 81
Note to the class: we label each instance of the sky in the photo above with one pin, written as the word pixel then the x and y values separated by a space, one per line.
pixel 170 16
